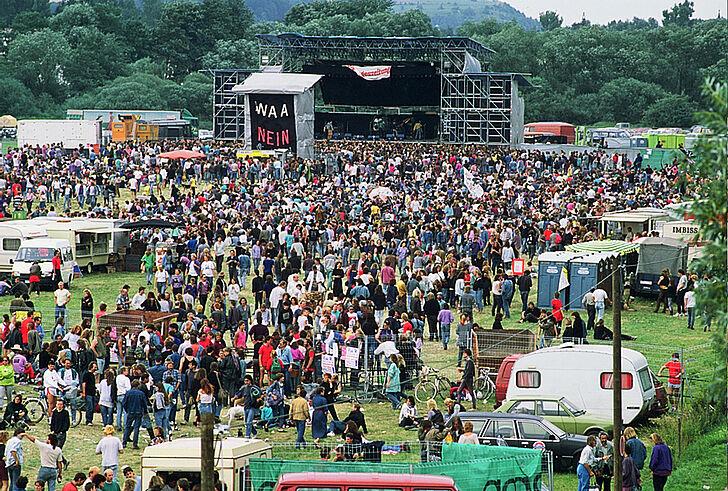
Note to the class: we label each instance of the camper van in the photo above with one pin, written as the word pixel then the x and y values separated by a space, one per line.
pixel 181 458
pixel 583 374
pixel 12 234
pixel 42 250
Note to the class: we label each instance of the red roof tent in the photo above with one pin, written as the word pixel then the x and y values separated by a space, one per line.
pixel 553 128
pixel 181 154
pixel 312 479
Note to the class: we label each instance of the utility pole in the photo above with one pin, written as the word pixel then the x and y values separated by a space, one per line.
pixel 617 369
pixel 207 452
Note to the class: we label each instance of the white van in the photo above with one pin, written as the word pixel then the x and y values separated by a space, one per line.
pixel 583 374
pixel 12 233
pixel 42 250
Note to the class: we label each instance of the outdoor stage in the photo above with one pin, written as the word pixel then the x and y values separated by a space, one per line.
pixel 436 89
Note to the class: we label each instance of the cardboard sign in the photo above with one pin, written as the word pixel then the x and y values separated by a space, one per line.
pixel 351 359
pixel 272 121
pixel 328 364
pixel 518 266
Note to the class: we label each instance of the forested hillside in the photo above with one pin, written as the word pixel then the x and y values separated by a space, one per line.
pixel 115 53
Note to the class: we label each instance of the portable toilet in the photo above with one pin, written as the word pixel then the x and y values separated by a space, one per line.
pixel 181 458
pixel 550 265
pixel 588 272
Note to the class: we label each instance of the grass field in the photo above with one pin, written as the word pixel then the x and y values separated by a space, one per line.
pixel 657 337
pixel 5 144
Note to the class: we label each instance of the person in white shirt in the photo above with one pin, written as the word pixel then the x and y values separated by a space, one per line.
pixel 123 385
pixel 51 460
pixel 53 386
pixel 600 300
pixel 207 268
pixel 276 295
pixel 138 299
pixel 680 290
pixel 586 462
pixel 293 281
pixel 689 302
pixel 109 447
pixel 61 296
pixel 161 277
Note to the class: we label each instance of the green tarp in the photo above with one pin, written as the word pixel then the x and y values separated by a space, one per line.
pixel 472 467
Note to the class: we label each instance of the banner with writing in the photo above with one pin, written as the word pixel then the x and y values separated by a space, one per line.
pixel 378 72
pixel 272 121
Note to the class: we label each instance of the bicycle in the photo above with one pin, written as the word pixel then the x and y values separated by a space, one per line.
pixel 427 388
pixel 37 407
pixel 484 387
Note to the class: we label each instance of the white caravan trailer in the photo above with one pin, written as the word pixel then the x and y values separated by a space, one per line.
pixel 12 234
pixel 181 459
pixel 583 374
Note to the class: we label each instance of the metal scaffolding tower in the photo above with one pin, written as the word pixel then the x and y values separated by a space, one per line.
pixel 476 106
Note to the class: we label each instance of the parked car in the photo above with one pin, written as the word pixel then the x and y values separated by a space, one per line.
pixel 560 411
pixel 362 481
pixel 525 430
pixel 504 374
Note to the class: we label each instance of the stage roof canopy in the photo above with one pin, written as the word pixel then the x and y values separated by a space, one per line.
pixel 277 83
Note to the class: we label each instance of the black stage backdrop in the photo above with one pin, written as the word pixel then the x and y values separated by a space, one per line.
pixel 272 121
pixel 411 84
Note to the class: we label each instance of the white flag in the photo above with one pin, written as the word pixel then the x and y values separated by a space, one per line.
pixel 563 279
pixel 475 189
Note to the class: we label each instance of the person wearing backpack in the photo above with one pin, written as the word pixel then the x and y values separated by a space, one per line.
pixel 275 399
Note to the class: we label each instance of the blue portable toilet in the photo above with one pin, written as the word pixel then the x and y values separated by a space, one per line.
pixel 588 272
pixel 550 265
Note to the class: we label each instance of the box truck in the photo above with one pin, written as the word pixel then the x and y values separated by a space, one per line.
pixel 71 134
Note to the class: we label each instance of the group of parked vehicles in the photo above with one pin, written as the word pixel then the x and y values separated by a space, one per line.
pixel 86 244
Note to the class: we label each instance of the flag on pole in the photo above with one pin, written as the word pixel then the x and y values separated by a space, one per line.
pixel 563 279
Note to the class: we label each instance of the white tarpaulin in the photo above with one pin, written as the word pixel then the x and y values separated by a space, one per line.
pixel 277 83
pixel 475 189
pixel 377 72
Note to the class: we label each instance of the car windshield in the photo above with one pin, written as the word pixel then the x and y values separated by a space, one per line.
pixel 553 428
pixel 30 254
pixel 572 407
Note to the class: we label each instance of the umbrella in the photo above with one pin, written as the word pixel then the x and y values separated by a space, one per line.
pixel 181 154
pixel 381 192
pixel 151 223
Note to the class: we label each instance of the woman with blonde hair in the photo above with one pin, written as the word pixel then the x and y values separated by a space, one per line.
pixel 638 451
pixel 660 462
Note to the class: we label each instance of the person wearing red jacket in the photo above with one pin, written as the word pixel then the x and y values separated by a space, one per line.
pixel 266 358
pixel 57 263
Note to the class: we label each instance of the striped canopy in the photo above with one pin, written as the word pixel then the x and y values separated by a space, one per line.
pixel 618 246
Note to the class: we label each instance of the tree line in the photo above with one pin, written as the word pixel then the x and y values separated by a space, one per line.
pixel 152 54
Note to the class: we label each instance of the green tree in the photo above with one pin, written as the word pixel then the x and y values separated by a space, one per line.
pixel 95 58
pixel 708 172
pixel 681 14
pixel 626 99
pixel 74 15
pixel 16 98
pixel 480 30
pixel 241 53
pixel 29 21
pixel 9 9
pixel 673 111
pixel 39 60
pixel 550 20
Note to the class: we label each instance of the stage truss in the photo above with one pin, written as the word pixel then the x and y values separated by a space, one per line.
pixel 478 107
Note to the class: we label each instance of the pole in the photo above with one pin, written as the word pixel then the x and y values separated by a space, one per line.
pixel 207 452
pixel 617 369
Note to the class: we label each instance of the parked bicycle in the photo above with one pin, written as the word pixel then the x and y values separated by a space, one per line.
pixel 38 407
pixel 432 385
pixel 484 387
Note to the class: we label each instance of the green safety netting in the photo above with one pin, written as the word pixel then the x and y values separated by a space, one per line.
pixel 472 467
pixel 618 246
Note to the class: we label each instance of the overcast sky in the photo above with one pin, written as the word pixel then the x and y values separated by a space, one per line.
pixel 603 11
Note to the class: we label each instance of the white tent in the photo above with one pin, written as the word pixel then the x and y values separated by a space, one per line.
pixel 265 95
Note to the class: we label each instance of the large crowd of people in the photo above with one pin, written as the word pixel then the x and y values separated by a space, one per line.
pixel 269 265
